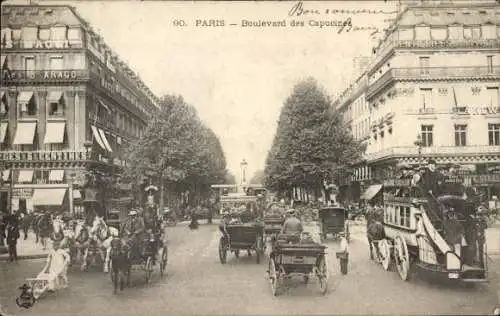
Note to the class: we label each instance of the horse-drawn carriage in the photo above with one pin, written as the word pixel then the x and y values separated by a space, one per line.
pixel 138 252
pixel 274 219
pixel 238 236
pixel 304 259
pixel 441 233
pixel 333 220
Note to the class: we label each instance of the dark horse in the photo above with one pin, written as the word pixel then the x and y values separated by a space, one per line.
pixel 119 259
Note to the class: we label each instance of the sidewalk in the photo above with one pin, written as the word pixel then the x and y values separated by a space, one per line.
pixel 28 249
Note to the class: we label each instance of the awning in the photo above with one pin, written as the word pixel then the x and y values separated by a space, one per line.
pixel 371 192
pixel 48 196
pixel 77 195
pixel 56 175
pixel 97 137
pixel 104 105
pixel 25 133
pixel 5 175
pixel 24 96
pixel 25 176
pixel 54 96
pixel 105 140
pixel 54 133
pixel 3 131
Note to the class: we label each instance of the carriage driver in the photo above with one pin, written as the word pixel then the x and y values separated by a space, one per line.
pixel 133 229
pixel 292 228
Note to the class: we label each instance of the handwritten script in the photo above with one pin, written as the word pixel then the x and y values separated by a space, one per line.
pixel 299 9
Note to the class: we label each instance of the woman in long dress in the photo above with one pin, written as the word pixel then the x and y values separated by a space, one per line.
pixel 55 269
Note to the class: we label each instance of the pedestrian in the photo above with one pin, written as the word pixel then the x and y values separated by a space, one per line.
pixel 3 226
pixel 12 237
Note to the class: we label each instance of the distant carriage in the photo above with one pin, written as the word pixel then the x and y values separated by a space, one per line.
pixel 418 232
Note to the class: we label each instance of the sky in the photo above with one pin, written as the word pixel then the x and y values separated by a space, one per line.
pixel 236 77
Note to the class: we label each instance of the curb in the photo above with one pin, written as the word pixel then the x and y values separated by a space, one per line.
pixel 25 257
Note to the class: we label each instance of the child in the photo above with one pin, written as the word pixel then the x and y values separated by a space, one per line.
pixel 55 270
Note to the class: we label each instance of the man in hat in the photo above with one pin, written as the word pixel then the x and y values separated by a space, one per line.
pixel 133 229
pixel 292 228
pixel 431 179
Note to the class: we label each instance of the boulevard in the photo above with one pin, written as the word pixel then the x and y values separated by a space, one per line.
pixel 197 283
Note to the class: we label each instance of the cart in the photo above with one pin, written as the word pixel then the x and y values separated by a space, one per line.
pixel 241 236
pixel 144 261
pixel 300 259
pixel 333 220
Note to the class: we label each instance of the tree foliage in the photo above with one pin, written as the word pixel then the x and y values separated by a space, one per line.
pixel 258 177
pixel 178 147
pixel 310 143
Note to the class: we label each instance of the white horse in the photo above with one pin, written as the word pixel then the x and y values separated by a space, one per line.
pixel 99 238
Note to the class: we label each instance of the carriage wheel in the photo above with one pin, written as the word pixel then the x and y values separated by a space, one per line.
pixel 385 253
pixel 322 274
pixel 402 258
pixel 258 249
pixel 222 251
pixel 163 261
pixel 274 277
pixel 148 269
pixel 375 255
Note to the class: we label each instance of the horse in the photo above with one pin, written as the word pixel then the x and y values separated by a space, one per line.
pixel 81 237
pixel 58 226
pixel 119 258
pixel 43 226
pixel 99 233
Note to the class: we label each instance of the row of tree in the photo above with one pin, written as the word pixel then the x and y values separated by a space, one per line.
pixel 178 151
pixel 311 143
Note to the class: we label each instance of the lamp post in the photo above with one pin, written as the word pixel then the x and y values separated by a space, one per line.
pixel 243 165
pixel 418 142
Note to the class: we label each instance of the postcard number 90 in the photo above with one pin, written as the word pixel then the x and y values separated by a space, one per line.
pixel 179 23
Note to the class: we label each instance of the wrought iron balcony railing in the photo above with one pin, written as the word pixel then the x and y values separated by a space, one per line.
pixel 436 150
pixel 48 156
pixel 432 73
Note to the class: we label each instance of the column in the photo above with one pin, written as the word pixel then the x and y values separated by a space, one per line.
pixel 12 103
pixel 41 99
pixel 80 120
pixel 71 98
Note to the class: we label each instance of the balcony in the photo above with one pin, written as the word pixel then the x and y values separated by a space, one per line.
pixel 432 73
pixel 431 151
pixel 41 156
pixel 436 44
pixel 14 76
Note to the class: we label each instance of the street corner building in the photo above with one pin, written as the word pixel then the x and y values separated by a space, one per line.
pixel 68 106
pixel 430 89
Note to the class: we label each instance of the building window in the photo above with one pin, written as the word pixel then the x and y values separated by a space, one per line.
pixel 426 98
pixel 494 134
pixel 427 139
pixel 424 65
pixel 29 64
pixel 493 97
pixel 489 61
pixel 4 106
pixel 460 135
pixel 56 63
pixel 489 31
pixel 44 34
pixel 422 33
pixel 30 35
pixel 439 34
pixel 56 108
pixel 58 33
pixel 454 32
pixel 27 106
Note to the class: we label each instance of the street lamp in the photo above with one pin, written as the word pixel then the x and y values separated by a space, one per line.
pixel 418 142
pixel 244 165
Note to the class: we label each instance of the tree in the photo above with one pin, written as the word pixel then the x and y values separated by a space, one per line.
pixel 258 177
pixel 310 143
pixel 177 149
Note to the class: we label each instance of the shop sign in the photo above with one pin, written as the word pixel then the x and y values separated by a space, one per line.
pixel 23 75
pixel 48 44
pixel 486 178
pixel 22 193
